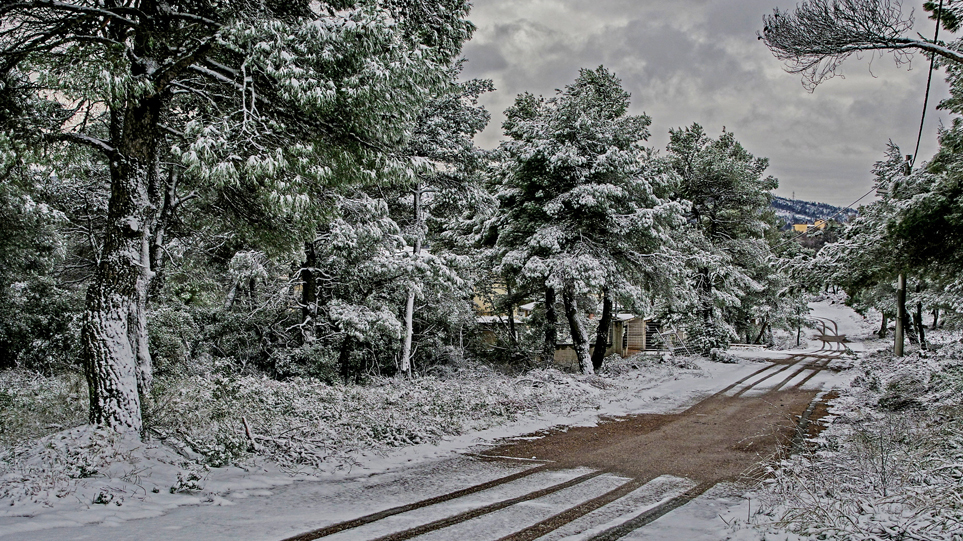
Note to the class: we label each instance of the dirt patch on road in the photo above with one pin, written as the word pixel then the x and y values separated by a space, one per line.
pixel 721 438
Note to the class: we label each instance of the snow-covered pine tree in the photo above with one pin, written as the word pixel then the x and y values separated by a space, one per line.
pixel 727 194
pixel 224 89
pixel 577 215
pixel 447 183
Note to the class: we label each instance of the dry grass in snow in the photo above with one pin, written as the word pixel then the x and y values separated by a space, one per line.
pixel 889 464
pixel 221 433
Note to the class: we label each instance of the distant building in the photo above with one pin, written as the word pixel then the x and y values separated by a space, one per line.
pixel 803 228
pixel 628 334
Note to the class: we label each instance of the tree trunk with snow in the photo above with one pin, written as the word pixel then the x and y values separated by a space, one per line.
pixel 116 357
pixel 410 304
pixel 918 323
pixel 551 327
pixel 580 340
pixel 900 314
pixel 309 293
pixel 602 333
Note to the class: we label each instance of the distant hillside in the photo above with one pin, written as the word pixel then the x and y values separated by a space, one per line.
pixel 806 212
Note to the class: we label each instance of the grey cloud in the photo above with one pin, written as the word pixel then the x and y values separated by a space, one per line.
pixel 699 61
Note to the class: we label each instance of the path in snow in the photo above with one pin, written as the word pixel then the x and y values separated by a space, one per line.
pixel 616 479
pixel 660 475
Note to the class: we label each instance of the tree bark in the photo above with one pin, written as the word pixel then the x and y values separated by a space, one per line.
pixel 883 327
pixel 115 352
pixel 344 359
pixel 918 323
pixel 551 327
pixel 900 314
pixel 309 293
pixel 602 333
pixel 762 331
pixel 511 313
pixel 580 339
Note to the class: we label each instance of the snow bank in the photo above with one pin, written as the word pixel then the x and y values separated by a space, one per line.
pixel 306 430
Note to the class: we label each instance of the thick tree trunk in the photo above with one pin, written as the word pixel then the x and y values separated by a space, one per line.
pixel 602 333
pixel 551 327
pixel 883 327
pixel 116 356
pixel 580 340
pixel 309 293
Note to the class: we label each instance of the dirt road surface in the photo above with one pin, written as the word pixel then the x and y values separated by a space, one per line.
pixel 612 480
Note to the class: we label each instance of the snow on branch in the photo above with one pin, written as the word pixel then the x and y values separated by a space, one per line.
pixel 815 38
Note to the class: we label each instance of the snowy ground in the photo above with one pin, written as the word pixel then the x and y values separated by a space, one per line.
pixel 148 492
pixel 138 484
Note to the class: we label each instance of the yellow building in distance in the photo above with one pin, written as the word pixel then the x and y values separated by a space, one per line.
pixel 802 228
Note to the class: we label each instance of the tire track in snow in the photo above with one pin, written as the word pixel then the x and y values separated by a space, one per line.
pixel 575 508
pixel 650 515
pixel 374 517
pixel 468 515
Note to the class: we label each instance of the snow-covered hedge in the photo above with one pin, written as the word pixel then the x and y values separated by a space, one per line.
pixel 307 423
pixel 890 463
pixel 33 405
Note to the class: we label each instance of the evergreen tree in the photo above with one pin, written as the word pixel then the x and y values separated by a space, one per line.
pixel 728 195
pixel 577 215
pixel 223 89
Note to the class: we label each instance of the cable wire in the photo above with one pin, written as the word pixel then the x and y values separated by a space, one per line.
pixel 842 210
pixel 929 81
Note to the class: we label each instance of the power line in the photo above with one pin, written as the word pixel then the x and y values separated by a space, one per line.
pixel 929 81
pixel 919 137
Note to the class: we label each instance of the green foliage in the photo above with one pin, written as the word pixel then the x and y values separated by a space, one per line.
pixel 733 280
pixel 33 405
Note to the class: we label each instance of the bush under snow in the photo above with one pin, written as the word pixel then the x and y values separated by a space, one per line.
pixel 889 464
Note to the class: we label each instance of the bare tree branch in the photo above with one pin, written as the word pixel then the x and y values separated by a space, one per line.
pixel 73 8
pixel 815 38
pixel 86 140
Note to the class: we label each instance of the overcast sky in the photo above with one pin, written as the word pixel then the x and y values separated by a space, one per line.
pixel 689 61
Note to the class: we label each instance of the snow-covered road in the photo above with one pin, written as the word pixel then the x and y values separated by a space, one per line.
pixel 604 492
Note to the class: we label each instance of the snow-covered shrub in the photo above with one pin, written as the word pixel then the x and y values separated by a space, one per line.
pixel 705 338
pixel 722 356
pixel 890 463
pixel 304 422
pixel 33 405
pixel 35 471
pixel 40 329
pixel 173 337
pixel 190 480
